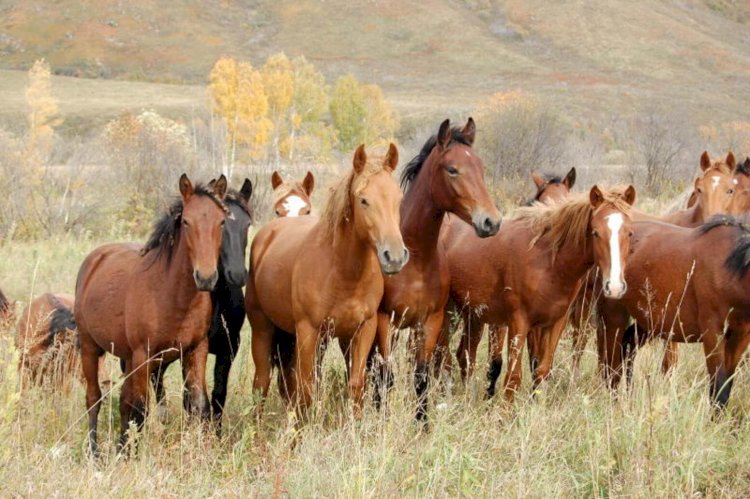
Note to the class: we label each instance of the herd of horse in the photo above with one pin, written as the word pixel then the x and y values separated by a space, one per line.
pixel 382 258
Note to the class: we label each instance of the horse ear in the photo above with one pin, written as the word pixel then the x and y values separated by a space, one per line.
pixel 360 159
pixel 444 134
pixel 469 131
pixel 538 180
pixel 596 197
pixel 220 187
pixel 308 183
pixel 730 161
pixel 570 178
pixel 247 190
pixel 186 187
pixel 705 161
pixel 630 195
pixel 391 159
pixel 276 180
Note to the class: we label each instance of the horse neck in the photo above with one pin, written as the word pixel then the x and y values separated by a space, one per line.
pixel 180 278
pixel 572 262
pixel 351 253
pixel 421 218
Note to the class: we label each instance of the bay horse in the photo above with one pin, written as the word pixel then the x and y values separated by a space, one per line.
pixel 292 198
pixel 527 276
pixel 314 278
pixel 446 176
pixel 151 304
pixel 550 189
pixel 47 338
pixel 704 286
pixel 227 299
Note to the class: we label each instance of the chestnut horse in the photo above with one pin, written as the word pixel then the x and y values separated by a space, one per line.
pixel 150 305
pixel 704 286
pixel 740 203
pixel 47 338
pixel 551 189
pixel 313 278
pixel 527 276
pixel 227 298
pixel 292 198
pixel 445 177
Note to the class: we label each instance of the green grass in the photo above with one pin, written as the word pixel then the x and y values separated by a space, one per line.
pixel 573 440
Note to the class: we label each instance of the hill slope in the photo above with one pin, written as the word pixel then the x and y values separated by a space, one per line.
pixel 590 56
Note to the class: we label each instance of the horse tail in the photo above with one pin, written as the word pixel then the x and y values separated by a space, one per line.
pixel 61 321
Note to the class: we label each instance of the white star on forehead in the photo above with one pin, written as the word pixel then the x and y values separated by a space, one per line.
pixel 231 216
pixel 293 205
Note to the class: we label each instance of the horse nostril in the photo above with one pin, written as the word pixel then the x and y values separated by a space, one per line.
pixel 606 287
pixel 406 255
pixel 387 255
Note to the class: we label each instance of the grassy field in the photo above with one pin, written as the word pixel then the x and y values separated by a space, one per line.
pixel 574 439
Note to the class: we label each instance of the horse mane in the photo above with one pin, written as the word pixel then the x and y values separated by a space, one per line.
pixel 5 305
pixel 413 167
pixel 738 261
pixel 286 188
pixel 567 221
pixel 549 179
pixel 167 228
pixel 338 209
pixel 743 168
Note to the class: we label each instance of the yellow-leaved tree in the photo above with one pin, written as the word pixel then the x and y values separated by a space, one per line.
pixel 238 95
pixel 278 81
pixel 43 117
pixel 360 113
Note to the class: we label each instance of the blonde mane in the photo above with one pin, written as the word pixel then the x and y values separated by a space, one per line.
pixel 567 221
pixel 338 210
pixel 286 188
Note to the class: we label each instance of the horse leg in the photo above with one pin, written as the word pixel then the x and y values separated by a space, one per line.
pixel 550 338
pixel 610 334
pixel 359 349
pixel 137 396
pixel 497 335
pixel 90 353
pixel 518 330
pixel 670 357
pixel 261 345
pixel 467 348
pixel 720 383
pixel 345 345
pixel 383 381
pixel 429 338
pixel 222 367
pixel 194 377
pixel 305 356
pixel 157 381
pixel 534 343
pixel 442 362
pixel 737 338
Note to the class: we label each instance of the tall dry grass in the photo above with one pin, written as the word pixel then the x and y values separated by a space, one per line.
pixel 573 439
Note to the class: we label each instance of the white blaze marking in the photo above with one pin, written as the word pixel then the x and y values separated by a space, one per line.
pixel 715 181
pixel 467 153
pixel 293 205
pixel 614 222
pixel 735 181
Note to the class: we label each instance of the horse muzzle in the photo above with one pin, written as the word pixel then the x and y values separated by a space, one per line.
pixel 615 291
pixel 392 261
pixel 204 283
pixel 236 278
pixel 485 225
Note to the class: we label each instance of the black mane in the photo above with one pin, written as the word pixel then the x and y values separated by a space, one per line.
pixel 233 197
pixel 549 178
pixel 4 303
pixel 743 168
pixel 167 228
pixel 738 261
pixel 412 168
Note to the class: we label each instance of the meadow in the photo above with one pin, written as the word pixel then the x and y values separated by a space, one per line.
pixel 574 438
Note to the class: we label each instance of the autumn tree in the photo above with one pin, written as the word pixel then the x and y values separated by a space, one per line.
pixel 278 82
pixel 360 113
pixel 238 95
pixel 42 114
pixel 308 133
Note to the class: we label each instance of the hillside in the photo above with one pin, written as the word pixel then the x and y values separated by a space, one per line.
pixel 590 57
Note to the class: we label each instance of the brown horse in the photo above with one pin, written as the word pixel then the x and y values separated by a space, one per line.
pixel 6 310
pixel 292 198
pixel 150 305
pixel 445 177
pixel 47 338
pixel 740 203
pixel 527 276
pixel 704 286
pixel 313 278
pixel 551 189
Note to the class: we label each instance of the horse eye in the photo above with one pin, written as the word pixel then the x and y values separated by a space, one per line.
pixel 364 202
pixel 698 190
pixel 630 234
pixel 730 191
pixel 185 223
pixel 278 214
pixel 452 171
pixel 594 233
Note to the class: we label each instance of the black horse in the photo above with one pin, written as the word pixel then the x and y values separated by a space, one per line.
pixel 228 299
